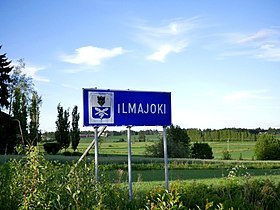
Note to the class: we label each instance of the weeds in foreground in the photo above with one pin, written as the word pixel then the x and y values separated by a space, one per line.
pixel 35 183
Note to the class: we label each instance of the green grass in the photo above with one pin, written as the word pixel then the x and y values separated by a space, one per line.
pixel 146 186
pixel 238 150
pixel 110 145
pixel 184 174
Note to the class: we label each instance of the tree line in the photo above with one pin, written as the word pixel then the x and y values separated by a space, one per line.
pixel 228 134
pixel 20 112
pixel 19 106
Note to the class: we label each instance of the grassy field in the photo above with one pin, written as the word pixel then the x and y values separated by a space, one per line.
pixel 185 174
pixel 113 145
pixel 113 150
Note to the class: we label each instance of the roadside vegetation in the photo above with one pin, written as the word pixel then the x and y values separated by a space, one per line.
pixel 32 182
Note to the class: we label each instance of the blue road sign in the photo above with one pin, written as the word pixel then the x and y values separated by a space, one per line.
pixel 126 108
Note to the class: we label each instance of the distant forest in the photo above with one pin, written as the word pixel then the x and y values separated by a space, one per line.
pixel 195 135
pixel 228 134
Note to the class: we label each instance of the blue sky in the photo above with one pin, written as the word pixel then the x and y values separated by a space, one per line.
pixel 219 59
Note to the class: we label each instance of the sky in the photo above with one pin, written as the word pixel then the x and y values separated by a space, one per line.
pixel 219 59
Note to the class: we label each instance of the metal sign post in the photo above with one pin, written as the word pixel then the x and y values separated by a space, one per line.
pixel 129 162
pixel 96 152
pixel 165 158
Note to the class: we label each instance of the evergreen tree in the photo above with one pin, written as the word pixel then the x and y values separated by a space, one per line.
pixel 75 131
pixel 5 80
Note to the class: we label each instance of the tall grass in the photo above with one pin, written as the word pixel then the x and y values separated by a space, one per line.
pixel 33 182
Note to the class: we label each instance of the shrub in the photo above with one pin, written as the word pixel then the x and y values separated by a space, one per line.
pixel 77 153
pixel 201 151
pixel 52 147
pixel 226 155
pixel 67 153
pixel 267 147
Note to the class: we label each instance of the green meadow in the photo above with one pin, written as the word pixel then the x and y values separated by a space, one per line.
pixel 117 145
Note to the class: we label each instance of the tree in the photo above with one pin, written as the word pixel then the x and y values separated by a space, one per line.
pixel 25 103
pixel 17 95
pixel 267 147
pixel 5 80
pixel 141 136
pixel 34 115
pixel 201 151
pixel 62 127
pixel 177 144
pixel 19 108
pixel 75 131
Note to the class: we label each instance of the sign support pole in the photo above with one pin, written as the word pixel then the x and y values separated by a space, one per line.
pixel 129 161
pixel 96 152
pixel 165 158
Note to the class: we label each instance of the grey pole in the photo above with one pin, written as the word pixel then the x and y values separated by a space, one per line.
pixel 96 152
pixel 129 162
pixel 165 158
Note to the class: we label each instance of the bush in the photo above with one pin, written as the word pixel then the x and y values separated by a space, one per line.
pixel 267 147
pixel 232 194
pixel 67 153
pixel 52 147
pixel 226 155
pixel 201 151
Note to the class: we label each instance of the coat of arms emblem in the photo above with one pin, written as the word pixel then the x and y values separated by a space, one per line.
pixel 101 107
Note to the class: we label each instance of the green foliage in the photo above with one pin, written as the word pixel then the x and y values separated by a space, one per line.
pixel 34 183
pixel 5 80
pixel 62 135
pixel 267 147
pixel 232 134
pixel 25 102
pixel 178 144
pixel 165 200
pixel 226 155
pixel 75 131
pixel 52 147
pixel 238 171
pixel 232 194
pixel 201 151
pixel 34 114
pixel 141 136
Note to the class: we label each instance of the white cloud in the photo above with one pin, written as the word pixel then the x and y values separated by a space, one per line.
pixel 31 71
pixel 264 44
pixel 161 53
pixel 173 28
pixel 269 52
pixel 165 39
pixel 92 56
pixel 257 37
